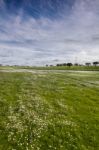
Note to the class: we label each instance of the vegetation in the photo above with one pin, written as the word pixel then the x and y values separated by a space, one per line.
pixel 95 63
pixel 88 64
pixel 76 67
pixel 49 110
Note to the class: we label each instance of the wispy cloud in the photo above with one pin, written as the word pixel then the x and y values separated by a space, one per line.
pixel 26 40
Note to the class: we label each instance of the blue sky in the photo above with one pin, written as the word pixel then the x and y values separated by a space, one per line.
pixel 39 32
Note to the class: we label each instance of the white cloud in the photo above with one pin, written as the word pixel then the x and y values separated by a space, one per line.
pixel 41 41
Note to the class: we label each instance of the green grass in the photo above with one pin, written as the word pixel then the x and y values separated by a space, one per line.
pixel 77 68
pixel 49 111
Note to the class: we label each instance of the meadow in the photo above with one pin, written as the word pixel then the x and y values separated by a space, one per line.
pixel 49 110
pixel 75 68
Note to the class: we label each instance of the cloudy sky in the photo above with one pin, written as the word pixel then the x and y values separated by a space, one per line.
pixel 39 32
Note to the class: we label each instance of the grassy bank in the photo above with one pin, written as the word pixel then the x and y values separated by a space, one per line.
pixel 49 111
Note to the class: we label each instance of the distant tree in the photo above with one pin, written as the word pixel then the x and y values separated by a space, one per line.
pixel 59 65
pixel 46 65
pixel 76 64
pixel 69 64
pixel 95 63
pixel 88 64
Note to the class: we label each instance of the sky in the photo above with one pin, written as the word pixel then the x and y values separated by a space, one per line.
pixel 40 32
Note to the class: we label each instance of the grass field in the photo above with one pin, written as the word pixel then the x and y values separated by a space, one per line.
pixel 49 110
pixel 77 68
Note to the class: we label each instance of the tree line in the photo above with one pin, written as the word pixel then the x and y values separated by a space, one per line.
pixel 96 63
